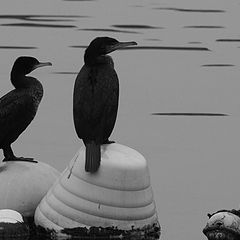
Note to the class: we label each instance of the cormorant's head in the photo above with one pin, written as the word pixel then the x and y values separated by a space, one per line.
pixel 25 64
pixel 102 46
pixel 105 45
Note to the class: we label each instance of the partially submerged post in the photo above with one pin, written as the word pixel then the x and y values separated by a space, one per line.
pixel 224 224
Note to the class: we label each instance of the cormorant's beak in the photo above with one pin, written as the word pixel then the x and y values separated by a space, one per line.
pixel 41 64
pixel 120 45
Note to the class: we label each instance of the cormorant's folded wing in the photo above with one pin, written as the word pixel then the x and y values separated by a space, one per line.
pixel 16 112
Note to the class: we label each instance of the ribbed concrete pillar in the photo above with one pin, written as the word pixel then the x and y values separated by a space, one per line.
pixel 119 194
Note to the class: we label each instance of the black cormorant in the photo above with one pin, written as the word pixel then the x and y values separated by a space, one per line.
pixel 95 98
pixel 19 106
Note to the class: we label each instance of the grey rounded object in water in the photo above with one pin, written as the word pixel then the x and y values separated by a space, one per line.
pixel 223 226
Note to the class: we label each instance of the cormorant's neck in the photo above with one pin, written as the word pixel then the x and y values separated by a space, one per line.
pixel 91 59
pixel 22 81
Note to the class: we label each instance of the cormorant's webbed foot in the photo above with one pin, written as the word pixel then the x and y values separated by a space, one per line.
pixel 20 159
pixel 9 155
pixel 108 142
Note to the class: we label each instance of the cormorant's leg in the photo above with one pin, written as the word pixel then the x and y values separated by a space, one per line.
pixel 9 156
pixel 108 141
pixel 8 153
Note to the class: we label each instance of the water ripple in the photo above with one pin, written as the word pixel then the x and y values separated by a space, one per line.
pixel 43 18
pixel 195 42
pixel 202 114
pixel 191 10
pixel 204 26
pixel 79 0
pixel 17 47
pixel 228 40
pixel 168 48
pixel 135 26
pixel 37 25
pixel 107 30
pixel 65 73
pixel 153 39
pixel 218 65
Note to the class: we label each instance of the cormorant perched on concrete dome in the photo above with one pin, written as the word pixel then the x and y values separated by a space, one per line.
pixel 95 98
pixel 19 106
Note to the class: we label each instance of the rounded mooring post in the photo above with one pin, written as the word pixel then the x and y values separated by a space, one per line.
pixel 118 195
pixel 23 185
pixel 12 225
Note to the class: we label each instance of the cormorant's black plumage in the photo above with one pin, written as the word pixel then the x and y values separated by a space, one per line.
pixel 19 106
pixel 95 98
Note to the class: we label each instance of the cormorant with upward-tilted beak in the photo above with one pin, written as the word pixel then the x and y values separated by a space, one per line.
pixel 95 98
pixel 19 106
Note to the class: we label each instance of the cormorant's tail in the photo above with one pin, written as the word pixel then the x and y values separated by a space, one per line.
pixel 93 157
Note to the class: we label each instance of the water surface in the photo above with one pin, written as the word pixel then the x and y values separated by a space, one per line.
pixel 186 63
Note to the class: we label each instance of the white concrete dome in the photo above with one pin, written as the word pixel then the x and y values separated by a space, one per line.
pixel 119 194
pixel 24 184
pixel 10 216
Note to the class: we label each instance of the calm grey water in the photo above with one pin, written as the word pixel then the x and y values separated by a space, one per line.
pixel 185 69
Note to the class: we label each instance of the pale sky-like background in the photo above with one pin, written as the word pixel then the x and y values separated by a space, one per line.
pixel 193 160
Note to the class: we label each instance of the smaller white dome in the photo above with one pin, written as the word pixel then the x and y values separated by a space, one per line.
pixel 24 184
pixel 10 216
